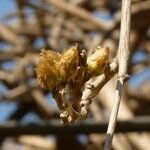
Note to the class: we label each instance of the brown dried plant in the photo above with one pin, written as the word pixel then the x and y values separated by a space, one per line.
pixel 64 74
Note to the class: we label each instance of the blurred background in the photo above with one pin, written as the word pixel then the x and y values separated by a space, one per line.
pixel 29 118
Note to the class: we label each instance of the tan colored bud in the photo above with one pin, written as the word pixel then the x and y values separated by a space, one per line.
pixel 47 74
pixel 97 62
pixel 55 68
pixel 68 64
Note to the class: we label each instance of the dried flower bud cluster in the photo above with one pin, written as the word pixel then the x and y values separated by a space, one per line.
pixel 64 74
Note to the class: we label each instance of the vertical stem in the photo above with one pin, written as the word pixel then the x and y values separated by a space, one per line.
pixel 113 117
pixel 123 58
pixel 123 50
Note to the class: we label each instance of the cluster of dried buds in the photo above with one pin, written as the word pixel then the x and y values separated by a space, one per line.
pixel 65 75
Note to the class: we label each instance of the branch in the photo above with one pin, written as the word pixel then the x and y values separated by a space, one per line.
pixel 13 128
pixel 8 35
pixel 81 13
pixel 123 58
pixel 92 88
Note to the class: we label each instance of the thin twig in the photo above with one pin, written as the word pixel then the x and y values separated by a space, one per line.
pixel 53 126
pixel 95 84
pixel 123 58
pixel 81 13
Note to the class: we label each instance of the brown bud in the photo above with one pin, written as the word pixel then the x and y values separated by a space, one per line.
pixel 68 64
pixel 47 74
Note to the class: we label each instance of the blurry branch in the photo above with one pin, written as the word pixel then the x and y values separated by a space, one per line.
pixel 86 127
pixel 37 142
pixel 6 76
pixel 13 54
pixel 146 45
pixel 20 72
pixel 16 92
pixel 56 31
pixel 123 58
pixel 81 13
pixel 142 95
pixel 21 14
pixel 8 35
pixel 42 102
pixel 140 66
pixel 138 12
pixel 142 6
